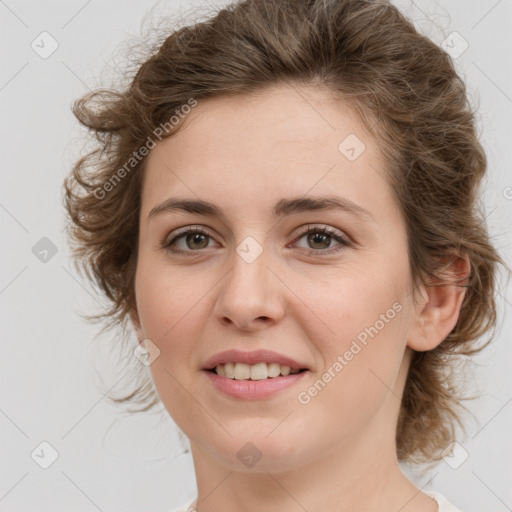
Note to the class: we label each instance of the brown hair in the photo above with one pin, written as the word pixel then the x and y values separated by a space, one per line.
pixel 410 98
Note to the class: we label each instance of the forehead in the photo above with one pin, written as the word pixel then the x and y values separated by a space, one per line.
pixel 285 140
pixel 281 116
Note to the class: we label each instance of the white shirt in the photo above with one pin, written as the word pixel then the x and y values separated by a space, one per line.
pixel 444 504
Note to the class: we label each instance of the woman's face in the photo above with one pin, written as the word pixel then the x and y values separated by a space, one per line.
pixel 337 303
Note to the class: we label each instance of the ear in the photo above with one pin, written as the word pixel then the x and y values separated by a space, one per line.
pixel 438 310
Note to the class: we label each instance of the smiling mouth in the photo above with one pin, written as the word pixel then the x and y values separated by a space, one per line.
pixel 259 371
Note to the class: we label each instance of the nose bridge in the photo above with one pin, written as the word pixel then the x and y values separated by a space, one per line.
pixel 250 291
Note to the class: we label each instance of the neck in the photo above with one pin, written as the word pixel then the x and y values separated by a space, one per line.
pixel 350 477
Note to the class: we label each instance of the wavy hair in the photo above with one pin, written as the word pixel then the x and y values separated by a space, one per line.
pixel 411 100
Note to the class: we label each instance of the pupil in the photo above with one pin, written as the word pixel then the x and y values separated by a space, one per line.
pixel 316 236
pixel 198 235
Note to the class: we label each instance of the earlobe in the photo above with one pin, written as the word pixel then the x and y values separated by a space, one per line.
pixel 439 310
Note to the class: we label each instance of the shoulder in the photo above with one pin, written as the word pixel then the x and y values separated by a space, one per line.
pixel 444 504
pixel 186 507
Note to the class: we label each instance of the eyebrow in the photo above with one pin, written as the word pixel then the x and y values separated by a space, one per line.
pixel 281 208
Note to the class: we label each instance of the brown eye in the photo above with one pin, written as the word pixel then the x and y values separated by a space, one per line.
pixel 190 240
pixel 320 238
pixel 196 238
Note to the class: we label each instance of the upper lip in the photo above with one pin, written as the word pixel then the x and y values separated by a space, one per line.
pixel 251 358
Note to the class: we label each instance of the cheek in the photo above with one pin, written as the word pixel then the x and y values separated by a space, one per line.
pixel 167 299
pixel 356 306
pixel 361 359
pixel 169 307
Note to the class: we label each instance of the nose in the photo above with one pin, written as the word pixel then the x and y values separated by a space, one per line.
pixel 250 296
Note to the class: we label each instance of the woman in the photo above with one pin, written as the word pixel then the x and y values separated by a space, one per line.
pixel 283 205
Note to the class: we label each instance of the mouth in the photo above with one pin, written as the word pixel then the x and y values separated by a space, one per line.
pixel 259 381
pixel 254 365
pixel 254 372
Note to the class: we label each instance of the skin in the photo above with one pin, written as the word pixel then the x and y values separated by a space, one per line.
pixel 337 452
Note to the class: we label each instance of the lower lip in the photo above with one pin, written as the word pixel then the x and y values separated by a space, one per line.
pixel 253 389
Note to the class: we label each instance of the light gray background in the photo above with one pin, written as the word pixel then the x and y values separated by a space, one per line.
pixel 50 370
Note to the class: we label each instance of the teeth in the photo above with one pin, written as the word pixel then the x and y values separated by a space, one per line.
pixel 260 371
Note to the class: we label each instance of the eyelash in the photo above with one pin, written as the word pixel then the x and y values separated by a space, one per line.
pixel 305 230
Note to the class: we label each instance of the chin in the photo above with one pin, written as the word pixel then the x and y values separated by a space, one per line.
pixel 255 446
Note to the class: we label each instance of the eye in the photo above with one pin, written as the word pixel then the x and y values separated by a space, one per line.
pixel 194 238
pixel 319 238
pixel 191 240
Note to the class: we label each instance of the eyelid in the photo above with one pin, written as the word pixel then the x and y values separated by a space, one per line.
pixel 179 232
pixel 323 227
pixel 343 239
